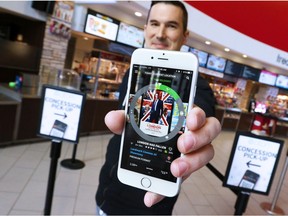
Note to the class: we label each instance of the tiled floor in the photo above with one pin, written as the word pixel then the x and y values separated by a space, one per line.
pixel 24 173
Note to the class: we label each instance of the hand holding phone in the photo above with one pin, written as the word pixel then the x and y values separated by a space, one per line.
pixel 161 90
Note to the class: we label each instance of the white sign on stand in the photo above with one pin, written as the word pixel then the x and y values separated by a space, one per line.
pixel 61 113
pixel 253 162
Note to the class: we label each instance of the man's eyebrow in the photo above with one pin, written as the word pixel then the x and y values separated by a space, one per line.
pixel 169 22
pixel 153 20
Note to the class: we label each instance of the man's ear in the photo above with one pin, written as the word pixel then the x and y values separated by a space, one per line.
pixel 186 35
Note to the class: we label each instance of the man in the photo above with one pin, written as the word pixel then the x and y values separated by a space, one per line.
pixel 156 109
pixel 166 28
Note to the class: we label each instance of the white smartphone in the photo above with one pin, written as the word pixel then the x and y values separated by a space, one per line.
pixel 160 93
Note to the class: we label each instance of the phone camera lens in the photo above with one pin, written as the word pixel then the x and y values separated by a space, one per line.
pixel 152 57
pixel 163 53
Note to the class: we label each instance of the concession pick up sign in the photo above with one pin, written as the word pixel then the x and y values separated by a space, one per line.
pixel 253 162
pixel 61 112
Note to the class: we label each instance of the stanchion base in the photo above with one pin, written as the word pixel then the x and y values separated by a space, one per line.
pixel 276 211
pixel 72 164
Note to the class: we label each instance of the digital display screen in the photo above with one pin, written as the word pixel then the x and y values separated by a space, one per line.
pixel 185 48
pixel 130 35
pixel 101 25
pixel 202 56
pixel 216 63
pixel 282 81
pixel 267 77
pixel 251 73
pixel 233 68
pixel 157 112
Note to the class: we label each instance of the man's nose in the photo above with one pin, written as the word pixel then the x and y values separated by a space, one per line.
pixel 161 33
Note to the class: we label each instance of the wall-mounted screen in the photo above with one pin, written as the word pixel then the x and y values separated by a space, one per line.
pixel 130 35
pixel 100 25
pixel 233 68
pixel 120 48
pixel 216 63
pixel 267 77
pixel 185 48
pixel 282 81
pixel 202 56
pixel 46 6
pixel 251 73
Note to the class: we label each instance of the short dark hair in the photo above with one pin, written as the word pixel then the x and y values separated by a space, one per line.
pixel 177 4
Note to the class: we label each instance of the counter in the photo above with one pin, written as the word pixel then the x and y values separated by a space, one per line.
pixel 234 119
pixel 9 114
pixel 20 114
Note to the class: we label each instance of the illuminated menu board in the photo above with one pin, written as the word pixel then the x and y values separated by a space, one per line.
pixel 216 63
pixel 251 73
pixel 233 68
pixel 130 35
pixel 267 77
pixel 282 81
pixel 185 48
pixel 100 25
pixel 202 56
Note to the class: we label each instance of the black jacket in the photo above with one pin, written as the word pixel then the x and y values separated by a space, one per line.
pixel 112 196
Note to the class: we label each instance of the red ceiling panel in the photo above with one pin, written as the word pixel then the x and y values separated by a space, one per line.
pixel 265 21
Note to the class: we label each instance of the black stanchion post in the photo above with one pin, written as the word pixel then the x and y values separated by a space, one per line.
pixel 73 163
pixel 55 153
pixel 241 202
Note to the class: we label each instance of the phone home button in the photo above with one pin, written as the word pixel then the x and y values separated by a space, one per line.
pixel 146 182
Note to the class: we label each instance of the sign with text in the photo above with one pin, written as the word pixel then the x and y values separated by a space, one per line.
pixel 61 113
pixel 253 162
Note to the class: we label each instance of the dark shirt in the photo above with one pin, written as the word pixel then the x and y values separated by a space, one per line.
pixel 112 196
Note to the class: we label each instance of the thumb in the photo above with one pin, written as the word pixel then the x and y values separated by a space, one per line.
pixel 151 199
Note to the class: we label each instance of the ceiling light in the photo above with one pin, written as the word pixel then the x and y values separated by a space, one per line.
pixel 207 42
pixel 85 38
pixel 244 56
pixel 138 14
pixel 227 49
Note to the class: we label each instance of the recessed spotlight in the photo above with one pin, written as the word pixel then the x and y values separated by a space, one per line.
pixel 244 56
pixel 227 50
pixel 138 14
pixel 85 38
pixel 207 42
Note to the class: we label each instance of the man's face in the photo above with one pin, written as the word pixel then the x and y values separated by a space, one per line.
pixel 164 29
pixel 156 96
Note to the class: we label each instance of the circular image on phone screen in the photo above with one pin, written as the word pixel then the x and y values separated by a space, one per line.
pixel 157 113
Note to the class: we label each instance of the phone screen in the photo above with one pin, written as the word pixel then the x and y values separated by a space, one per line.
pixel 58 129
pixel 249 179
pixel 157 109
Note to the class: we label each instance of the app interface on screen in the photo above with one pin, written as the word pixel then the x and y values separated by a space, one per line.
pixel 249 179
pixel 58 129
pixel 158 105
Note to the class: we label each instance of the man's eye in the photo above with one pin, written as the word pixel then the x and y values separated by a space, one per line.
pixel 172 26
pixel 154 24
